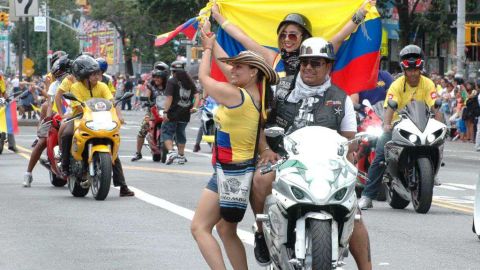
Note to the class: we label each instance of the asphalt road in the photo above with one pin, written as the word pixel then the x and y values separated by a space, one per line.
pixel 44 227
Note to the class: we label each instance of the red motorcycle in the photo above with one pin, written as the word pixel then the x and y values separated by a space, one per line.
pixel 159 153
pixel 53 162
pixel 371 123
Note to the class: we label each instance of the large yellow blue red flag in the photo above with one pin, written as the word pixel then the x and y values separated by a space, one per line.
pixel 357 60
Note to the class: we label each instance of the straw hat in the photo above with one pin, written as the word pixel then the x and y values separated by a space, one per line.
pixel 253 59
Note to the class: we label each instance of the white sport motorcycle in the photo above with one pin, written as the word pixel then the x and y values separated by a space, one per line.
pixel 413 156
pixel 308 219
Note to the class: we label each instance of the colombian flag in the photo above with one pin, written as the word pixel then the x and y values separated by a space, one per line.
pixel 8 118
pixel 189 29
pixel 357 60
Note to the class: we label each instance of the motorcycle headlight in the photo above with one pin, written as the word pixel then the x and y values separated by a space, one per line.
pixel 413 138
pixel 111 125
pixel 430 138
pixel 374 131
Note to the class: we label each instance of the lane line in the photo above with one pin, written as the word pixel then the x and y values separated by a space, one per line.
pixel 435 201
pixel 245 236
pixel 471 187
pixel 447 186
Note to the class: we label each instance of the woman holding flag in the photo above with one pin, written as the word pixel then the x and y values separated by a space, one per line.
pixel 291 32
pixel 235 150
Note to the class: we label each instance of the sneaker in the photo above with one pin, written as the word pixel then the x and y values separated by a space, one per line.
pixel 436 181
pixel 171 156
pixel 196 148
pixel 364 203
pixel 126 192
pixel 181 159
pixel 137 156
pixel 27 180
pixel 261 250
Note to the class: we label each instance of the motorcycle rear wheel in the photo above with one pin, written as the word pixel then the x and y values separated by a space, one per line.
pixel 422 195
pixel 2 141
pixel 56 181
pixel 75 188
pixel 394 200
pixel 102 163
pixel 319 240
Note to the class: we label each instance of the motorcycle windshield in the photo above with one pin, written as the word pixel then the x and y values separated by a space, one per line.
pixel 99 104
pixel 418 113
pixel 320 159
pixel 378 109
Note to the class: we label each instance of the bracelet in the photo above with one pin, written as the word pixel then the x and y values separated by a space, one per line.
pixel 208 48
pixel 266 148
pixel 224 24
pixel 358 17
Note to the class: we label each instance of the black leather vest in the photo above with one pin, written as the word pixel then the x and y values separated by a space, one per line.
pixel 325 110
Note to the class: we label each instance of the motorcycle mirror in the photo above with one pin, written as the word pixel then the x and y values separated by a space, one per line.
pixel 124 97
pixel 357 107
pixel 438 103
pixel 70 96
pixel 274 132
pixel 366 103
pixel 393 104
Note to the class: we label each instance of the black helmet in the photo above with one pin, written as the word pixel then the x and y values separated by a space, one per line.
pixel 61 66
pixel 56 55
pixel 160 73
pixel 298 19
pixel 411 56
pixel 84 66
pixel 177 65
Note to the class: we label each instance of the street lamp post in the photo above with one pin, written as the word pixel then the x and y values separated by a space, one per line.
pixel 461 37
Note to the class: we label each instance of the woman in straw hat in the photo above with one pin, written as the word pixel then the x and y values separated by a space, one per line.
pixel 241 110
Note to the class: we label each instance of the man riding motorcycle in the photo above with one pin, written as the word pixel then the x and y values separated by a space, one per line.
pixel 60 69
pixel 88 75
pixel 155 88
pixel 410 86
pixel 314 101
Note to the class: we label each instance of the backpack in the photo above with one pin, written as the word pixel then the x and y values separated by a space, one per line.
pixel 473 107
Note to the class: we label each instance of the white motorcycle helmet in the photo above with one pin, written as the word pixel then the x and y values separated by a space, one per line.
pixel 317 47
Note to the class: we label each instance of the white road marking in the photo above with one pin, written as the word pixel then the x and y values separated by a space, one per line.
pixel 447 186
pixel 464 186
pixel 245 236
pixel 383 264
pixel 450 199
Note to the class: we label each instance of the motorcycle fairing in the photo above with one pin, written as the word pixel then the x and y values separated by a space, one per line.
pixel 99 105
pixel 418 113
pixel 476 211
pixel 406 127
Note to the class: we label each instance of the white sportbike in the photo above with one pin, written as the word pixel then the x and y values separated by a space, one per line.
pixel 308 219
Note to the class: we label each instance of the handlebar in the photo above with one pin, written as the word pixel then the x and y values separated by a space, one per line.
pixel 271 167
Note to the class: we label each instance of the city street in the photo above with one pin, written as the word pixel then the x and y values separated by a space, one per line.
pixel 44 227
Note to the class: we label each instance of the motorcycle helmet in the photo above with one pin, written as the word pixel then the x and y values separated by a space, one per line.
pixel 161 66
pixel 103 64
pixel 411 56
pixel 55 56
pixel 317 47
pixel 160 73
pixel 177 65
pixel 84 66
pixel 61 67
pixel 300 20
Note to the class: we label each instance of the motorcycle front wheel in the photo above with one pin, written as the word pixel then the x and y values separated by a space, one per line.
pixel 102 162
pixel 422 195
pixel 318 237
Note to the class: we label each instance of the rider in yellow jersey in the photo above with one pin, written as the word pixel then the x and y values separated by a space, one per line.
pixel 88 85
pixel 410 86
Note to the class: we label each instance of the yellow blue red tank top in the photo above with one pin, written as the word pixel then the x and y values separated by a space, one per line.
pixel 237 129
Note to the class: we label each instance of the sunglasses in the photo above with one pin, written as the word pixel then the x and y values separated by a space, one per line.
pixel 417 63
pixel 313 63
pixel 291 36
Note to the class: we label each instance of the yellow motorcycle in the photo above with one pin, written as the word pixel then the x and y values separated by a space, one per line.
pixel 95 144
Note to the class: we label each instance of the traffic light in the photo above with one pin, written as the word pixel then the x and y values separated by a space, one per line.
pixel 6 19
pixel 477 35
pixel 2 17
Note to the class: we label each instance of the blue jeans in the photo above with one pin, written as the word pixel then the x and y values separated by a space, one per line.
pixel 377 168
